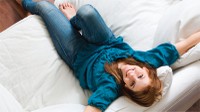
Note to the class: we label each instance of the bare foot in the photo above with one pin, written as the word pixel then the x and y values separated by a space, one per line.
pixel 68 10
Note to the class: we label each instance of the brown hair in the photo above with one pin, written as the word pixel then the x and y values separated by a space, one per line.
pixel 149 94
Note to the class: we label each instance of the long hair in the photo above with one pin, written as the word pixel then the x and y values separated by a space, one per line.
pixel 149 94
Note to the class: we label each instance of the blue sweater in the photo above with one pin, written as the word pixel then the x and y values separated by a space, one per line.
pixel 89 67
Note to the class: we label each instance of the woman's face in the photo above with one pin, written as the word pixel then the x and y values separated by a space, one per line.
pixel 134 77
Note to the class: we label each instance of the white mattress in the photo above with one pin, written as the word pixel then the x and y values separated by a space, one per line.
pixel 37 80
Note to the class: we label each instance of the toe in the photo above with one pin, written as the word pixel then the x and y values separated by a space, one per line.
pixel 66 5
pixel 61 6
pixel 70 5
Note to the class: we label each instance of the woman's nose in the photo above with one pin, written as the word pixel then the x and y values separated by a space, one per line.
pixel 134 75
pixel 131 75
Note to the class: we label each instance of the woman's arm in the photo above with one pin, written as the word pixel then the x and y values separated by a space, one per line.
pixel 185 45
pixel 91 109
pixel 166 53
pixel 107 91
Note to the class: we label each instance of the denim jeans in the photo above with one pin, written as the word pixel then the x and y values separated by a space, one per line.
pixel 64 34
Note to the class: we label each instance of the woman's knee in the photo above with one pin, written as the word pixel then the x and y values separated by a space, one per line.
pixel 87 12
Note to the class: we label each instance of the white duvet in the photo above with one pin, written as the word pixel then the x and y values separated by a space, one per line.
pixel 34 78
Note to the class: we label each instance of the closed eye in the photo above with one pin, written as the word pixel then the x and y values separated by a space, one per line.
pixel 132 84
pixel 141 76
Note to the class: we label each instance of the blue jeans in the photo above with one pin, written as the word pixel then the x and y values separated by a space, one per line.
pixel 64 34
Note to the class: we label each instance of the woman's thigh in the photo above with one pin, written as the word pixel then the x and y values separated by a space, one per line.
pixel 92 25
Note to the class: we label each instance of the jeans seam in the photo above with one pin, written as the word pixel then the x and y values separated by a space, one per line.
pixel 58 40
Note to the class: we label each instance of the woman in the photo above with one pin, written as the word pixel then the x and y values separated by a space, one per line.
pixel 101 62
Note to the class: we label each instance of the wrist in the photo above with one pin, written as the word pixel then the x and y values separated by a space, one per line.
pixel 91 109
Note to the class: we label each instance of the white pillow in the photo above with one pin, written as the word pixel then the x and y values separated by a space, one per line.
pixel 190 56
pixel 165 74
pixel 179 21
pixel 183 19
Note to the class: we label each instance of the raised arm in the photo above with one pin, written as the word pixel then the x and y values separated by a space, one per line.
pixel 185 45
pixel 166 53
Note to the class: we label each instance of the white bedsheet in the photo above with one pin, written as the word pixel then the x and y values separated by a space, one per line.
pixel 31 69
pixel 7 101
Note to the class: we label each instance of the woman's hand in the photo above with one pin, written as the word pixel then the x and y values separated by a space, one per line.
pixel 188 43
pixel 91 109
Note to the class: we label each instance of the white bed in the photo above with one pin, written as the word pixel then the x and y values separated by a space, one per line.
pixel 34 79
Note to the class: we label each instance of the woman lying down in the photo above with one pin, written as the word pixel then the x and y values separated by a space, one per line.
pixel 102 63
